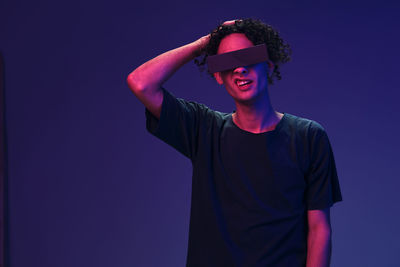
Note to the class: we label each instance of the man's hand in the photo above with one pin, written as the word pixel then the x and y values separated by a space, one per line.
pixel 203 41
pixel 229 22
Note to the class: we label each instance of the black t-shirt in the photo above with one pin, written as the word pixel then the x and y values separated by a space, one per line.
pixel 250 192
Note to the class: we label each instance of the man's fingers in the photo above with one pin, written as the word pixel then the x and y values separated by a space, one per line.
pixel 229 22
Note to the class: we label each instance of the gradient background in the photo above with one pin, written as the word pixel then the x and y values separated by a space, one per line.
pixel 88 186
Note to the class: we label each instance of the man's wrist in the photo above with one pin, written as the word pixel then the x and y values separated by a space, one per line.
pixel 201 44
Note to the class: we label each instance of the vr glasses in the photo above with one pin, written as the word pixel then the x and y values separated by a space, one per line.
pixel 238 58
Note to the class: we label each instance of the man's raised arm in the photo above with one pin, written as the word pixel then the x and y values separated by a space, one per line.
pixel 146 80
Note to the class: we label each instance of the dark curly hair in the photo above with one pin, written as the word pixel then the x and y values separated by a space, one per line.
pixel 258 33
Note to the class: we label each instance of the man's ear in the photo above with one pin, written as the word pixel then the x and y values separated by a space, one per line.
pixel 217 76
pixel 271 67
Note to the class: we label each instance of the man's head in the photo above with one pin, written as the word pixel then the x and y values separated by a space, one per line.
pixel 257 33
pixel 244 83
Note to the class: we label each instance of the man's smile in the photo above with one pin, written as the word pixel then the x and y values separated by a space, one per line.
pixel 243 83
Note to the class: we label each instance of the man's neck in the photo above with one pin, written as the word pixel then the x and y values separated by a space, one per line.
pixel 256 119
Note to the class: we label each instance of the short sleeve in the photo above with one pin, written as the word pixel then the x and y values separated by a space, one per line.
pixel 323 188
pixel 178 124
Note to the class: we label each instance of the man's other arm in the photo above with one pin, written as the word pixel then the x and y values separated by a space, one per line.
pixel 319 245
pixel 146 80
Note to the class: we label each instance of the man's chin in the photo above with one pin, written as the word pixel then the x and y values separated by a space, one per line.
pixel 245 101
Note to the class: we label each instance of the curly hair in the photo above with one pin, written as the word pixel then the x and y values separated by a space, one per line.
pixel 258 33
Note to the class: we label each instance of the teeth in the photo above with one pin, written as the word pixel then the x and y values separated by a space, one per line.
pixel 243 82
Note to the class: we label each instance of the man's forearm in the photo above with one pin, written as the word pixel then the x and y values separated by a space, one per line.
pixel 152 74
pixel 319 247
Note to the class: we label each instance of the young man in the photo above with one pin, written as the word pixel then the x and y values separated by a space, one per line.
pixel 263 181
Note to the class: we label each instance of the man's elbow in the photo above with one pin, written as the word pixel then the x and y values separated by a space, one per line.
pixel 134 82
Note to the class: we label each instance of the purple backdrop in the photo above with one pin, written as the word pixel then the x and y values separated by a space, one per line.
pixel 88 186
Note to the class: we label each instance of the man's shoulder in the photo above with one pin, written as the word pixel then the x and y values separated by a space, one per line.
pixel 303 124
pixel 201 106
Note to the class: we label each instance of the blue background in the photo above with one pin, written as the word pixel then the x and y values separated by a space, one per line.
pixel 88 186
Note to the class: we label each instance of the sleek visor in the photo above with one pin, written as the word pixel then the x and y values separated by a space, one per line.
pixel 238 58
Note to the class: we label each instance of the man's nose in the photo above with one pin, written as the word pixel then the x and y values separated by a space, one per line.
pixel 240 70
